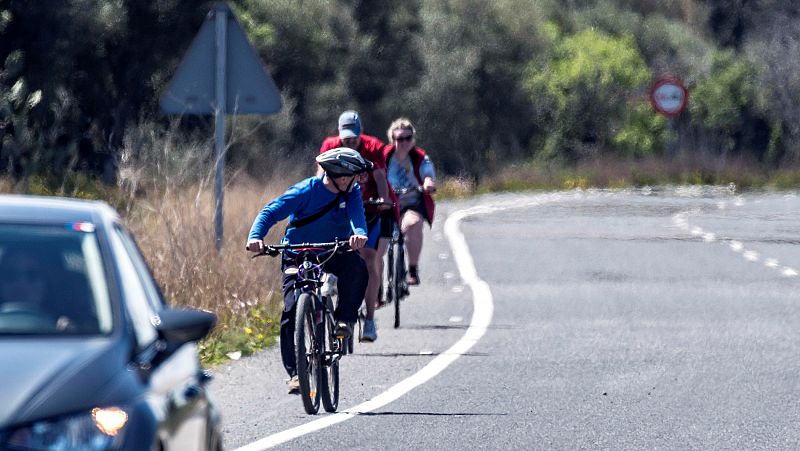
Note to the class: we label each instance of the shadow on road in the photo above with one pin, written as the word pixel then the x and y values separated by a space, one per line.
pixel 435 414
pixel 414 354
pixel 456 326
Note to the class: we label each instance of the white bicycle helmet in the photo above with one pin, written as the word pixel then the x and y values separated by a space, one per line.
pixel 343 161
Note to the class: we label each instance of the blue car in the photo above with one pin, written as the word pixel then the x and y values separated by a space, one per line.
pixel 91 357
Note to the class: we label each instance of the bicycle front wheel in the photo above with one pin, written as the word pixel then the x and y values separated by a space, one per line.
pixel 329 386
pixel 307 353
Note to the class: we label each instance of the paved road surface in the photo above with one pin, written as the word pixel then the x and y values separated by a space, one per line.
pixel 638 319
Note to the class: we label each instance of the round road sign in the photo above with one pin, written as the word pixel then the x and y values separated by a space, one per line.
pixel 669 96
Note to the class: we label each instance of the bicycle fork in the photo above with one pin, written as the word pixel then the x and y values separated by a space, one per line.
pixel 333 352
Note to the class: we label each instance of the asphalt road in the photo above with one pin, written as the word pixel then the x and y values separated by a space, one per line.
pixel 645 319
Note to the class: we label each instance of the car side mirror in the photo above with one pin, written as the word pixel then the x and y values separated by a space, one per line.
pixel 179 326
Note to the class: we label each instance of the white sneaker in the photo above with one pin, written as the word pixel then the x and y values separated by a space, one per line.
pixel 329 285
pixel 370 331
pixel 293 385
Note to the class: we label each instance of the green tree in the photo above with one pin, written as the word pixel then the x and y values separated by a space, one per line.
pixel 469 104
pixel 644 132
pixel 721 99
pixel 385 61
pixel 586 84
pixel 304 45
pixel 19 137
pixel 99 66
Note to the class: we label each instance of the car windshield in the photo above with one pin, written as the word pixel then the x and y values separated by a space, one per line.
pixel 52 281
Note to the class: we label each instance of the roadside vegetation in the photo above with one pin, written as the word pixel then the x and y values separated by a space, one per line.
pixel 487 83
pixel 171 215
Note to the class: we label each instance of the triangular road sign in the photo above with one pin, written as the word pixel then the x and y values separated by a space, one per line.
pixel 249 88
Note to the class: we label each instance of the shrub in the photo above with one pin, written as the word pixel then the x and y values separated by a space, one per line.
pixel 587 82
pixel 720 99
pixel 643 133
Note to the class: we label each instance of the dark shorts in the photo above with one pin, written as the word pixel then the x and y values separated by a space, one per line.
pixel 373 233
pixel 387 217
pixel 418 206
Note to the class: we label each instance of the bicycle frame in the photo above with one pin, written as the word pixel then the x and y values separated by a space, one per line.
pixel 310 280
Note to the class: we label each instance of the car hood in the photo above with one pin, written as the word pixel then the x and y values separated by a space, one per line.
pixel 46 377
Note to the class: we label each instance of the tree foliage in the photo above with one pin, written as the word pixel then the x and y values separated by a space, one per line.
pixel 587 84
pixel 719 99
pixel 486 83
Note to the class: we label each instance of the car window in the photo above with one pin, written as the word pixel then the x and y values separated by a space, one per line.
pixel 151 287
pixel 52 281
pixel 143 299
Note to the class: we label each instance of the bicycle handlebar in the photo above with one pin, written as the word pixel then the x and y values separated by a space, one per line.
pixel 274 249
pixel 379 201
pixel 419 188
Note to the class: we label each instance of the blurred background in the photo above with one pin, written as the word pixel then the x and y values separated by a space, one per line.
pixel 488 83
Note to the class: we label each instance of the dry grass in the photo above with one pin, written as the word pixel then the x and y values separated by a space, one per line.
pixel 455 187
pixel 175 230
pixel 616 173
pixel 167 192
pixel 176 233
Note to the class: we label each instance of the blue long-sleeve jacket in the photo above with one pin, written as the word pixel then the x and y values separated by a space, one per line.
pixel 304 199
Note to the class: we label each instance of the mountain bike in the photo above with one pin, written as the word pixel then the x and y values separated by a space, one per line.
pixel 317 349
pixel 396 287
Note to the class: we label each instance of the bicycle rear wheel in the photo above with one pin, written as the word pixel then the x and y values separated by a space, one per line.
pixel 362 318
pixel 307 353
pixel 329 385
pixel 398 281
pixel 390 293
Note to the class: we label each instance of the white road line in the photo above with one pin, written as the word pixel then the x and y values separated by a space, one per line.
pixel 483 309
pixel 681 220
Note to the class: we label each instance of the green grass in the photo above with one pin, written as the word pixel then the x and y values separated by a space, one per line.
pixel 257 329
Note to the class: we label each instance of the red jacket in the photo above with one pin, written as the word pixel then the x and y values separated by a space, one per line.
pixel 371 148
pixel 417 155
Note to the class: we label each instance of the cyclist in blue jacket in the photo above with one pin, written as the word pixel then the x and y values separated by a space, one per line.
pixel 320 209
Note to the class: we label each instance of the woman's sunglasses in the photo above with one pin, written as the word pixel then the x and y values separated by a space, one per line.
pixel 404 138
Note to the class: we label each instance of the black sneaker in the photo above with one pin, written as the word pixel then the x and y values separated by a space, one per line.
pixel 413 275
pixel 342 330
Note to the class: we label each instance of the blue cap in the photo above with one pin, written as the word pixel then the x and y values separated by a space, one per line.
pixel 349 125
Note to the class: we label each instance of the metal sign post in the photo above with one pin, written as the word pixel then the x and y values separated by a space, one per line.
pixel 669 97
pixel 220 74
pixel 219 125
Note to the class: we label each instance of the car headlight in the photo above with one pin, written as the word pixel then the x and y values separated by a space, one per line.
pixel 95 430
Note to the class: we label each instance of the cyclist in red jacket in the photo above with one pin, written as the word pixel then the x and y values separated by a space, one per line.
pixel 373 186
pixel 410 172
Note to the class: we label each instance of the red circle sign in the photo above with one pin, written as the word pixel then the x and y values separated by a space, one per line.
pixel 669 96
